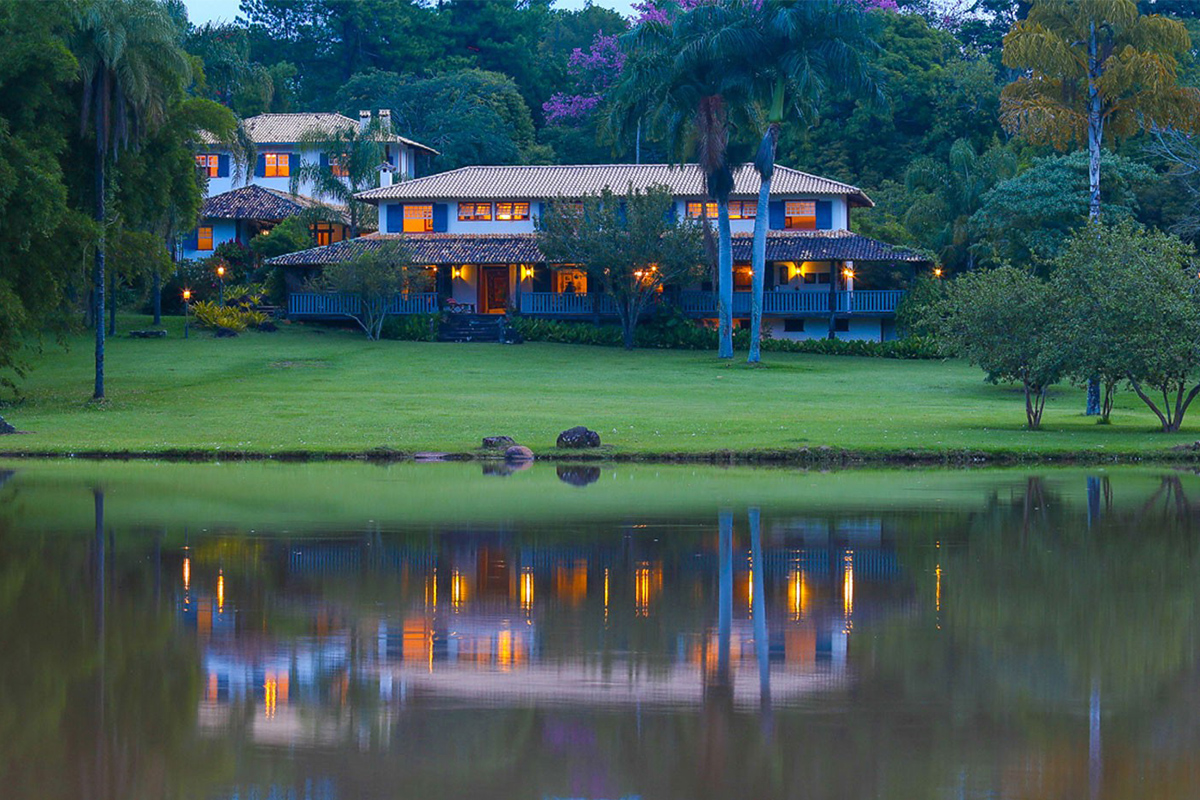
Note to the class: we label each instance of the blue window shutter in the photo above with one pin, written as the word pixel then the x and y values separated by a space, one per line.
pixel 192 241
pixel 440 217
pixel 539 210
pixel 775 220
pixel 223 165
pixel 260 169
pixel 824 215
pixel 669 214
pixel 622 216
pixel 324 160
pixel 395 218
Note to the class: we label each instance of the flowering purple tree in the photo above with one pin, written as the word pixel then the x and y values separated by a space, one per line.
pixel 594 71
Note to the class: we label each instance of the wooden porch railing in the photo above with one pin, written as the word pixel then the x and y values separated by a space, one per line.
pixel 315 304
pixel 860 301
pixel 566 303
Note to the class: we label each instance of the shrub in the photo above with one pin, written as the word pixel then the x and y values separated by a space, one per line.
pixel 411 328
pixel 236 318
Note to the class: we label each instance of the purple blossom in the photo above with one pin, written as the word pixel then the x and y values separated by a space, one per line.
pixel 594 71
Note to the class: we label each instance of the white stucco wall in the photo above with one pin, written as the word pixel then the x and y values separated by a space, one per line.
pixel 861 328
pixel 224 230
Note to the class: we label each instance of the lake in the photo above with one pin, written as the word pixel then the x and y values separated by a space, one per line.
pixel 602 631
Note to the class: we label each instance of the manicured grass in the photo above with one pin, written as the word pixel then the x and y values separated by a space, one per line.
pixel 314 389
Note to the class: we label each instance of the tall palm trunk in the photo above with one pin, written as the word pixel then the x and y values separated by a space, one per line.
pixel 98 266
pixel 765 163
pixel 1095 130
pixel 725 268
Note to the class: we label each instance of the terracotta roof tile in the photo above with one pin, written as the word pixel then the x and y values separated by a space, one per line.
pixel 456 248
pixel 288 128
pixel 544 182
pixel 256 202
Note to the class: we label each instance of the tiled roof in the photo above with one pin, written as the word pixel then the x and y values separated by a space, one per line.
pixel 578 180
pixel 521 248
pixel 287 128
pixel 256 202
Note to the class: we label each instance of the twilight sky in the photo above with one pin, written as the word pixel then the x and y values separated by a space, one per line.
pixel 201 11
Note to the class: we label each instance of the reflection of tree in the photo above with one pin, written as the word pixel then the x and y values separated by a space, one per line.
pixel 98 692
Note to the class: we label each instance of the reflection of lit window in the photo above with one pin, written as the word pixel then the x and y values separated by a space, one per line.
pixel 848 586
pixel 797 594
pixel 431 590
pixel 187 573
pixel 526 588
pixel 504 648
pixel 647 581
pixel 570 583
pixel 458 590
pixel 220 592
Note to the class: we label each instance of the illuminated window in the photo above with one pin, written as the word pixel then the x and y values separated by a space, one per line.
pixel 474 212
pixel 512 211
pixel 742 277
pixel 336 166
pixel 570 281
pixel 208 164
pixel 800 215
pixel 278 165
pixel 204 239
pixel 324 233
pixel 418 219
pixel 738 209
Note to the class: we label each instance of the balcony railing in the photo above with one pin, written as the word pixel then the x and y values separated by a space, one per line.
pixel 313 304
pixel 566 303
pixel 861 301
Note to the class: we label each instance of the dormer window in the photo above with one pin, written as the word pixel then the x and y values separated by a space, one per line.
pixel 277 165
pixel 209 164
pixel 800 215
pixel 474 212
pixel 512 212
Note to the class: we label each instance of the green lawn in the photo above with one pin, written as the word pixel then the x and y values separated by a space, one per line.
pixel 312 389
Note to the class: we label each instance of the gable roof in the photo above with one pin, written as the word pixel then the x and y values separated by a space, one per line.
pixel 578 180
pixel 521 248
pixel 291 127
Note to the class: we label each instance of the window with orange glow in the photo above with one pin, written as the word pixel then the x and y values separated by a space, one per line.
pixel 800 215
pixel 204 238
pixel 570 280
pixel 738 209
pixel 742 278
pixel 277 165
pixel 512 212
pixel 208 164
pixel 474 212
pixel 418 219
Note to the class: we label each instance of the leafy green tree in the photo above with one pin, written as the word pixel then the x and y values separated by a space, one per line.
pixel 998 319
pixel 948 193
pixel 232 77
pixel 686 87
pixel 289 236
pixel 469 116
pixel 131 64
pixel 1026 219
pixel 627 244
pixel 374 278
pixel 1128 301
pixel 1095 69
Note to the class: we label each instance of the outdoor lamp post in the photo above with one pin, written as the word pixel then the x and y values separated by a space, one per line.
pixel 187 299
pixel 937 272
pixel 221 284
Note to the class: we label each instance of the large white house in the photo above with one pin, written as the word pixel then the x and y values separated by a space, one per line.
pixel 475 227
pixel 244 199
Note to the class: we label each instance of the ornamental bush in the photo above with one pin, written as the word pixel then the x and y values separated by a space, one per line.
pixel 235 318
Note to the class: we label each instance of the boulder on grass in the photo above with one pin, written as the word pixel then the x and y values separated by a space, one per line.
pixel 518 454
pixel 266 327
pixel 578 438
pixel 225 333
pixel 498 442
pixel 5 427
pixel 150 334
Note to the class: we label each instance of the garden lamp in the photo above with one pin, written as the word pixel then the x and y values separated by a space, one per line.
pixel 187 299
pixel 221 283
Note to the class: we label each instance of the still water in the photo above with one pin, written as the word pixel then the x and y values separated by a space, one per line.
pixel 455 630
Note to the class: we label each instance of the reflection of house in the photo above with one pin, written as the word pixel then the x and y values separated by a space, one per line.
pixel 234 212
pixel 475 226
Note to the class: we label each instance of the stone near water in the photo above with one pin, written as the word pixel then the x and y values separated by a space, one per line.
pixel 578 476
pixel 518 453
pixel 578 438
pixel 498 442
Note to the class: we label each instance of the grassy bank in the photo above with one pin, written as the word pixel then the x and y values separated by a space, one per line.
pixel 313 390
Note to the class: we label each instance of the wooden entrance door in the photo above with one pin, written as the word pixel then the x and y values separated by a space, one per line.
pixel 493 290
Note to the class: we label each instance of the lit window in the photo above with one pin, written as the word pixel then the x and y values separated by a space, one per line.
pixel 572 281
pixel 418 219
pixel 800 215
pixel 512 211
pixel 323 232
pixel 278 165
pixel 742 277
pixel 738 209
pixel 474 212
pixel 208 164
pixel 204 239
pixel 336 166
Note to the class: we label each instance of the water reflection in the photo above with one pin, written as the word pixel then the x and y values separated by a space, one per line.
pixel 1030 643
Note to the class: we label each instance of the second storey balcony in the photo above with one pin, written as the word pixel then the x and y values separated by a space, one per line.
pixel 696 303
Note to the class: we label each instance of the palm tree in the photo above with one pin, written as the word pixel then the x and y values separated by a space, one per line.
pixel 794 51
pixel 679 83
pixel 352 157
pixel 1095 69
pixel 951 192
pixel 130 63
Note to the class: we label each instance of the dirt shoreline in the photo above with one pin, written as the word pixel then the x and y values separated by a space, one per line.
pixel 819 456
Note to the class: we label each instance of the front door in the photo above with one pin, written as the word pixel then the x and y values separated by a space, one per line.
pixel 493 290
